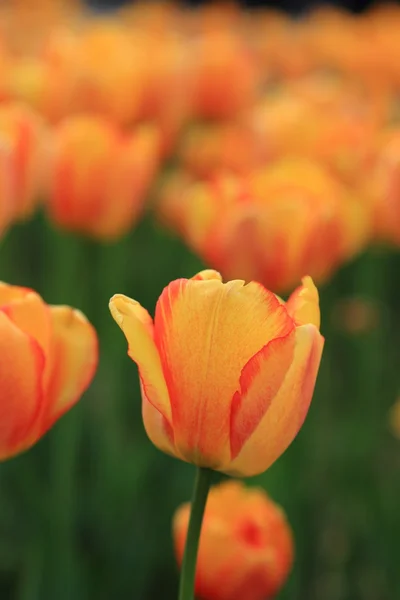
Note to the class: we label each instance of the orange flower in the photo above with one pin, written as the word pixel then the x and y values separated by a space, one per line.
pixel 22 136
pixel 227 370
pixel 244 230
pixel 232 146
pixel 47 82
pixel 99 176
pixel 246 545
pixel 225 75
pixel 322 120
pixel 49 359
pixel 112 87
pixel 384 187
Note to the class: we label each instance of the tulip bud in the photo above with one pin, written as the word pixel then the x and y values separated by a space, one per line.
pixel 246 545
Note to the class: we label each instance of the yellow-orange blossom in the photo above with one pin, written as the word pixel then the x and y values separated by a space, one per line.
pixel 227 370
pixel 49 357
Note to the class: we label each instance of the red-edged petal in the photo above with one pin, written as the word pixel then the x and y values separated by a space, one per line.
pixel 21 374
pixel 72 362
pixel 287 412
pixel 260 381
pixel 28 312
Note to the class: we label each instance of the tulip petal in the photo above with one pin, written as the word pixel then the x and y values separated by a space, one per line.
pixel 287 411
pixel 260 381
pixel 157 427
pixel 303 304
pixel 21 372
pixel 206 275
pixel 137 326
pixel 72 361
pixel 206 332
pixel 28 312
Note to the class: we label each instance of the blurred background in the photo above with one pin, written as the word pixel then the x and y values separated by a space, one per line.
pixel 141 146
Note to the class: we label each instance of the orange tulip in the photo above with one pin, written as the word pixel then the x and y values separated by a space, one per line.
pixel 227 370
pixel 22 136
pixel 246 545
pixel 50 356
pixel 232 146
pixel 240 225
pixel 225 75
pixel 113 87
pixel 384 187
pixel 47 82
pixel 99 176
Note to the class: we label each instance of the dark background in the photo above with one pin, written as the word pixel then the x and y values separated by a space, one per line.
pixel 294 6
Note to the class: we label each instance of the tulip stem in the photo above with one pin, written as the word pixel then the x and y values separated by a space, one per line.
pixel 188 571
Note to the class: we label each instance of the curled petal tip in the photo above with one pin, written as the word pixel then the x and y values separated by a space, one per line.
pixel 118 307
pixel 303 304
pixel 207 274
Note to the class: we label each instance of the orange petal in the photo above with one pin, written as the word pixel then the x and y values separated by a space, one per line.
pixel 137 326
pixel 260 381
pixel 21 371
pixel 288 409
pixel 206 275
pixel 206 332
pixel 303 304
pixel 27 310
pixel 157 427
pixel 72 361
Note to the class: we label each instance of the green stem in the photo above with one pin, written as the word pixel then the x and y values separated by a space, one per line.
pixel 188 572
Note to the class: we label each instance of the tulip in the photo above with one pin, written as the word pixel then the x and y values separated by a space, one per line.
pixel 112 87
pixel 384 187
pixel 22 136
pixel 99 176
pixel 207 149
pixel 227 370
pixel 49 359
pixel 47 82
pixel 246 545
pixel 225 75
pixel 243 230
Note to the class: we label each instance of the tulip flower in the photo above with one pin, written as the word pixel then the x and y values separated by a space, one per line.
pixel 111 88
pixel 384 187
pixel 225 75
pixel 246 545
pixel 49 359
pixel 207 149
pixel 99 176
pixel 22 137
pixel 239 225
pixel 227 370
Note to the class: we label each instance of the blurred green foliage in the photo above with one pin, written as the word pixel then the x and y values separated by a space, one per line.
pixel 87 512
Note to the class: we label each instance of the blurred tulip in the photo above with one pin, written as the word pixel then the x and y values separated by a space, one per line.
pixel 48 81
pixel 246 545
pixel 384 187
pixel 323 120
pixel 99 176
pixel 22 141
pixel 110 72
pixel 225 75
pixel 51 357
pixel 209 148
pixel 227 370
pixel 244 229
